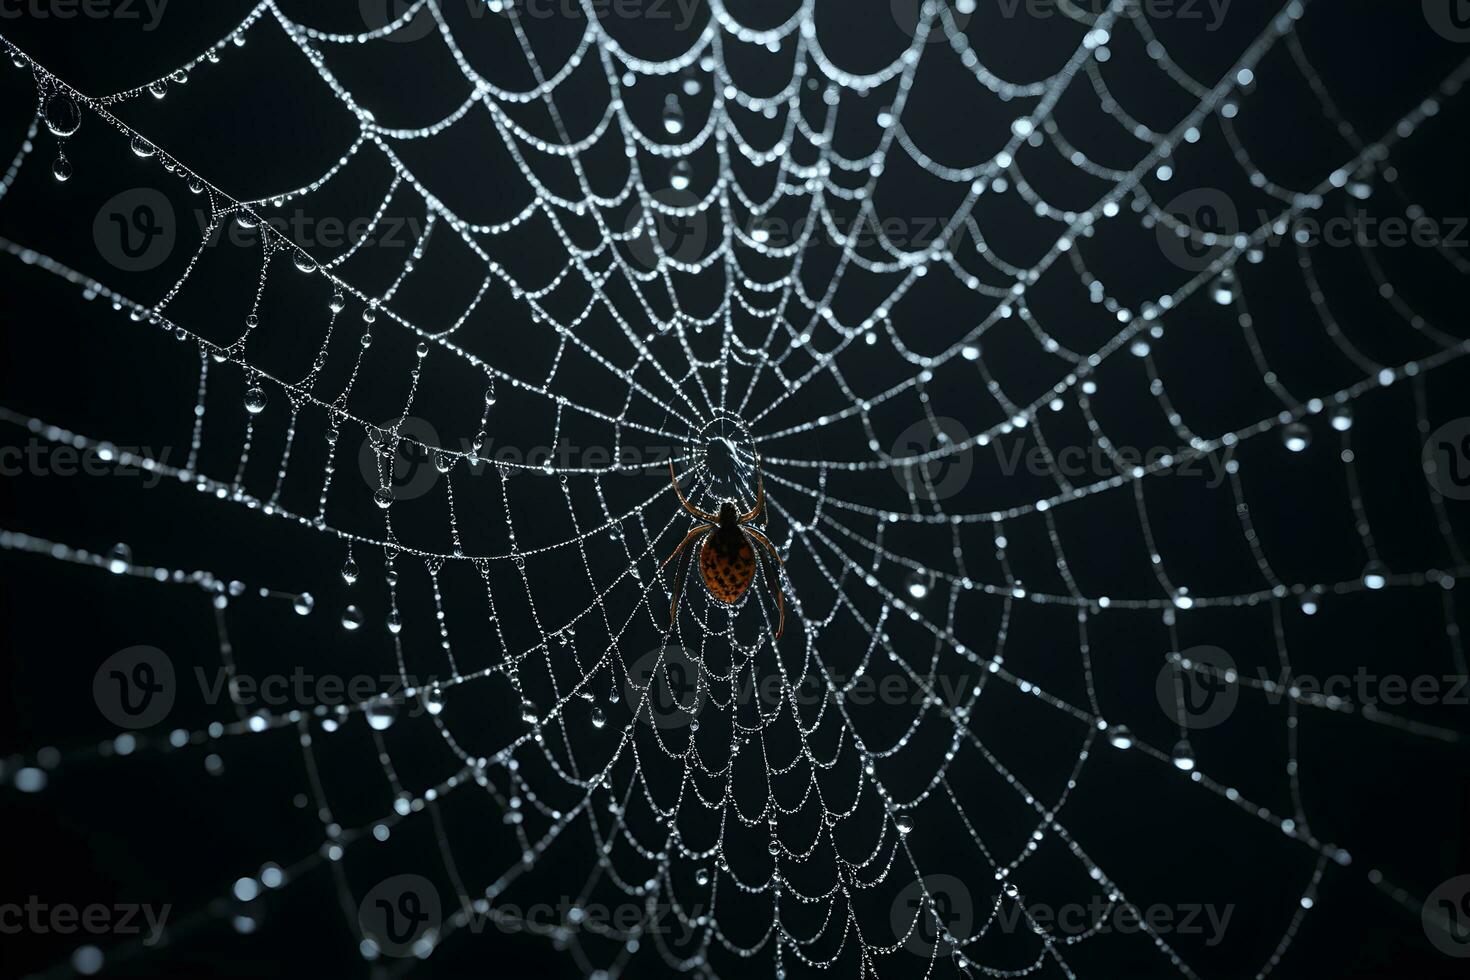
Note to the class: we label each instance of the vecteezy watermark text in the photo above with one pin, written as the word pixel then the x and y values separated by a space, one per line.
pixel 42 458
pixel 1210 13
pixel 401 915
pixel 150 12
pixel 940 908
pixel 950 470
pixel 1207 220
pixel 138 687
pixel 40 917
pixel 379 15
pixel 1199 688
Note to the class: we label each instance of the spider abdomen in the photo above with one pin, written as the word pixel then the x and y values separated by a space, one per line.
pixel 727 564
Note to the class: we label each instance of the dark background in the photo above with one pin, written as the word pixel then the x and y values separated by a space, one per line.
pixel 156 828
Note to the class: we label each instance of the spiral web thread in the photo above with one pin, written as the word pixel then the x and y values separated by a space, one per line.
pixel 670 393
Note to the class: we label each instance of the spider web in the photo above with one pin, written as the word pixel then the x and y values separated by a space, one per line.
pixel 718 263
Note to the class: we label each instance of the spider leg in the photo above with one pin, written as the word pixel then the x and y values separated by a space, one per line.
pixel 773 580
pixel 681 572
pixel 694 533
pixel 710 518
pixel 760 495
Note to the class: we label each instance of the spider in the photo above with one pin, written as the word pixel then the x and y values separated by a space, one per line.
pixel 727 557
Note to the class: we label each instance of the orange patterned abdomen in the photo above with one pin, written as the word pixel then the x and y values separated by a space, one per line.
pixel 727 565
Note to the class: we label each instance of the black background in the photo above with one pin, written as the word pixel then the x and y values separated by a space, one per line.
pixel 156 828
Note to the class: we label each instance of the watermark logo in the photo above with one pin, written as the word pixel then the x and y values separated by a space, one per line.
pixel 312 232
pixel 1450 19
pixel 378 15
pixel 135 688
pixel 1197 689
pixel 1446 459
pixel 1104 915
pixel 400 913
pixel 138 687
pixel 941 477
pixel 1208 219
pixel 947 911
pixel 909 14
pixel 401 448
pixel 1447 917
pixel 653 231
pixel 663 688
pixel 136 230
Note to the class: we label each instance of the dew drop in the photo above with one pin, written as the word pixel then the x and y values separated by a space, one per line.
pixel 1296 437
pixel 349 571
pixel 702 877
pixel 142 148
pixel 1375 575
pixel 338 303
pixel 383 497
pixel 443 461
pixel 1341 418
pixel 1183 755
pixel 917 584
pixel 599 717
pixel 673 116
pixel 433 701
pixel 303 604
pixel 381 713
pixel 395 623
pixel 29 779
pixel 158 89
pixel 680 175
pixel 119 559
pixel 351 618
pixel 528 712
pixel 1119 737
pixel 87 960
pixel 61 170
pixel 305 262
pixel 904 824
pixel 255 400
pixel 1223 288
pixel 63 117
